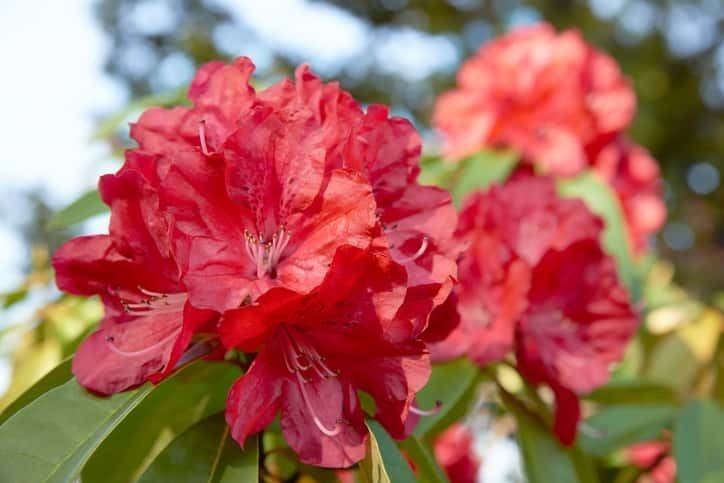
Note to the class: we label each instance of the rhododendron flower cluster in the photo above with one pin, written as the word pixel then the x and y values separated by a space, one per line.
pixel 551 96
pixel 535 281
pixel 287 224
pixel 563 105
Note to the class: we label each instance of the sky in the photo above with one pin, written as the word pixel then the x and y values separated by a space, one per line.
pixel 51 87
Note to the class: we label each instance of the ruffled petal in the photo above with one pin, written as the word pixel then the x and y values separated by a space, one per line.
pixel 254 399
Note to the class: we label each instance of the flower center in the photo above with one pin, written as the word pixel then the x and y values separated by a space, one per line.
pixel 302 359
pixel 265 254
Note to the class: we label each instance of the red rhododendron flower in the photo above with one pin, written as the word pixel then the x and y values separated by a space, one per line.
pixel 655 458
pixel 579 320
pixel 634 175
pixel 264 187
pixel 316 350
pixel 534 279
pixel 506 231
pixel 550 96
pixel 454 452
pixel 148 323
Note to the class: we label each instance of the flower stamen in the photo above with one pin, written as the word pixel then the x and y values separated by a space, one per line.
pixel 426 412
pixel 111 345
pixel 420 251
pixel 300 357
pixel 202 138
pixel 266 254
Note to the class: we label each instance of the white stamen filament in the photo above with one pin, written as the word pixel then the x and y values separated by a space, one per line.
pixel 265 255
pixel 147 350
pixel 420 251
pixel 202 138
pixel 428 412
pixel 292 352
pixel 317 422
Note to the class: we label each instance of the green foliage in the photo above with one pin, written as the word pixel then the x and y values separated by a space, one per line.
pixel 617 427
pixel 422 455
pixel 384 462
pixel 193 393
pixel 601 199
pixel 52 437
pixel 453 384
pixel 699 443
pixel 88 205
pixel 544 459
pixel 206 453
pixel 476 172
pixel 57 376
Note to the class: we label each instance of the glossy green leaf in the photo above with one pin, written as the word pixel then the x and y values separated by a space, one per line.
pixel 633 391
pixel 193 393
pixel 601 199
pixel 57 376
pixel 372 468
pixel 699 443
pixel 453 384
pixel 51 438
pixel 206 453
pixel 422 455
pixel 617 427
pixel 386 462
pixel 86 206
pixel 544 459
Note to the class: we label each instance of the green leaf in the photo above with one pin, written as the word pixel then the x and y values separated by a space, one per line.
pixel 384 462
pixel 617 427
pixel 86 206
pixel 678 359
pixel 544 459
pixel 601 199
pixel 479 171
pixel 190 395
pixel 51 438
pixel 633 391
pixel 206 453
pixel 372 468
pixel 430 471
pixel 8 299
pixel 699 444
pixel 476 172
pixel 453 384
pixel 57 376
